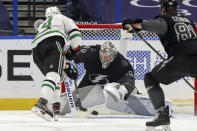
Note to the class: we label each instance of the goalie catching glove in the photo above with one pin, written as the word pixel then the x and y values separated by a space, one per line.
pixel 116 91
pixel 71 72
pixel 127 24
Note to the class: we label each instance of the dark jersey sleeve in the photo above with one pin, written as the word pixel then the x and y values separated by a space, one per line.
pixel 127 77
pixel 128 81
pixel 158 26
pixel 85 51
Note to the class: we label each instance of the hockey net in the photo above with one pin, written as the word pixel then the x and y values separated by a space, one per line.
pixel 143 59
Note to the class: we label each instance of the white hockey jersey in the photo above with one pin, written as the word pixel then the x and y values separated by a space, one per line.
pixel 58 25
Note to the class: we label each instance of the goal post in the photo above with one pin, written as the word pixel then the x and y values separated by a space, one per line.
pixel 142 58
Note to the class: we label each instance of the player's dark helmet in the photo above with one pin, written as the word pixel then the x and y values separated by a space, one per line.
pixel 168 6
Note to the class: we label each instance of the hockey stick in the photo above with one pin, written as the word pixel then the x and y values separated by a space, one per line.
pixel 67 89
pixel 69 98
pixel 78 101
pixel 130 28
pixel 75 107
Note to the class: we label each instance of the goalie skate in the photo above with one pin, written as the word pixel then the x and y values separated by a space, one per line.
pixel 41 110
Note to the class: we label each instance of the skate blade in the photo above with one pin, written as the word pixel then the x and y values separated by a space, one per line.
pixel 38 112
pixel 158 128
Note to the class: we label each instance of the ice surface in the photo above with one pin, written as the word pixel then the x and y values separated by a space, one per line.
pixel 27 121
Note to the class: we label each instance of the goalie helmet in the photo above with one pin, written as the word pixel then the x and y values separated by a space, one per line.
pixel 52 11
pixel 107 54
pixel 168 6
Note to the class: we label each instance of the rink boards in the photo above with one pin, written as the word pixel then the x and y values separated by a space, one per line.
pixel 20 78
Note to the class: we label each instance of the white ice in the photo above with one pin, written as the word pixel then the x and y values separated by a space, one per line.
pixel 27 121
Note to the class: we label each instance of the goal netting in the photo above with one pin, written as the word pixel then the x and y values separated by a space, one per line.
pixel 142 58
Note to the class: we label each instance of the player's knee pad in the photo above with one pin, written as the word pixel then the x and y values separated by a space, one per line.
pixel 53 76
pixel 149 81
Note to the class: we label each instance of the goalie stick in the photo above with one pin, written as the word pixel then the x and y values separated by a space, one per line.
pixel 78 101
pixel 76 109
pixel 130 29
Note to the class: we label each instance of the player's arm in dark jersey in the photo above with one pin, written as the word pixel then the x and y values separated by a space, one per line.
pixel 158 26
pixel 84 53
pixel 127 79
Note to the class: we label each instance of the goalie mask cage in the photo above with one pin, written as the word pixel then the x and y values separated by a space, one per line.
pixel 143 59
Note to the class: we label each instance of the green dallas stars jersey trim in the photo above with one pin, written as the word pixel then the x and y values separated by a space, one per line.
pixel 47 34
pixel 74 35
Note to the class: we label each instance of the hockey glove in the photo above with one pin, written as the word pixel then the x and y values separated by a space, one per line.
pixel 127 24
pixel 71 72
pixel 116 91
pixel 69 54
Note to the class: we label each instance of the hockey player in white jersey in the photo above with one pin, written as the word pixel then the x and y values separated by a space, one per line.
pixel 48 45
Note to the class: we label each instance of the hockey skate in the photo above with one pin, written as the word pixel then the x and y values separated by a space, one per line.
pixel 161 122
pixel 41 110
pixel 56 111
